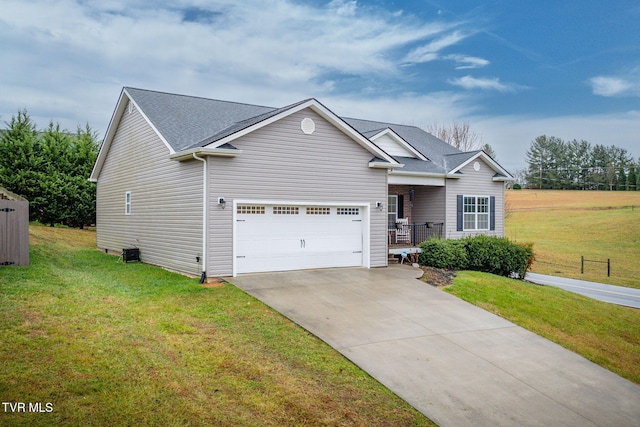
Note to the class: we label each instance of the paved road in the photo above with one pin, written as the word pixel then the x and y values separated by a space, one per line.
pixel 620 295
pixel 454 362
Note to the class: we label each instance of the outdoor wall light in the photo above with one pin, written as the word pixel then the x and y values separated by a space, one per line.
pixel 379 206
pixel 222 202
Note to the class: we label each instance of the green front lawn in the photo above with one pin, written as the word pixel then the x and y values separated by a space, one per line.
pixel 604 333
pixel 108 343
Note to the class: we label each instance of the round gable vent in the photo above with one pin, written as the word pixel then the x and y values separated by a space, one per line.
pixel 308 126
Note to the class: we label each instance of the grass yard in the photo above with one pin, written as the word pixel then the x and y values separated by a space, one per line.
pixel 565 225
pixel 606 334
pixel 107 343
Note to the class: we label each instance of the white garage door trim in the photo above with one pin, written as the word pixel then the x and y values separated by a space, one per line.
pixel 364 206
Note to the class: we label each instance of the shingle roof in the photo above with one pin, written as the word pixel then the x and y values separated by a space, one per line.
pixel 431 147
pixel 188 122
pixel 243 124
pixel 453 161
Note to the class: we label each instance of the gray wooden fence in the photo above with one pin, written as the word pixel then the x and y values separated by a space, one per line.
pixel 14 229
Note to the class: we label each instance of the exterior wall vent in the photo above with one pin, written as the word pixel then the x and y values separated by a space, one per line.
pixel 308 126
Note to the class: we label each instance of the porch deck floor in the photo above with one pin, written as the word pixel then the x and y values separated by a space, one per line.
pixel 399 249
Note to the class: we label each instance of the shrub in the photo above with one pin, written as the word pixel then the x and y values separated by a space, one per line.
pixel 517 187
pixel 495 255
pixel 439 253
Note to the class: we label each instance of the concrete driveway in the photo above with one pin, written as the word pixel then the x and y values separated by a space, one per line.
pixel 456 363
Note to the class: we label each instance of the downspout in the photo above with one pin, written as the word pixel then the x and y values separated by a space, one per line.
pixel 203 275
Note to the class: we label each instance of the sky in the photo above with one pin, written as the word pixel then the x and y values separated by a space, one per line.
pixel 512 70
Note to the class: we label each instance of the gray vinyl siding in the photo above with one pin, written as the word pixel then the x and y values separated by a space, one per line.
pixel 280 162
pixel 474 183
pixel 429 204
pixel 166 199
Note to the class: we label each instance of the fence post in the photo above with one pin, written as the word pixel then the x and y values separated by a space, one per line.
pixel 415 237
pixel 582 264
pixel 608 267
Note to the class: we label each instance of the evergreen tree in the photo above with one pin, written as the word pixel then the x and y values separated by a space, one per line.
pixel 622 180
pixel 20 157
pixel 543 157
pixel 50 169
pixel 578 159
pixel 489 150
pixel 632 178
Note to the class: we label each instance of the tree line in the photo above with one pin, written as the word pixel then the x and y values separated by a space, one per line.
pixel 50 168
pixel 578 165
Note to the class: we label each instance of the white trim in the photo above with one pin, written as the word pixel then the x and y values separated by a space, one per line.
pixel 366 222
pixel 199 151
pixel 400 141
pixel 492 164
pixel 326 114
pixel 409 179
pixel 413 173
pixel 171 150
pixel 116 117
pixel 488 213
pixel 384 165
pixel 127 202
pixel 389 196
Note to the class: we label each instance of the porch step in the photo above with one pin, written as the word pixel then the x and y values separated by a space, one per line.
pixel 393 259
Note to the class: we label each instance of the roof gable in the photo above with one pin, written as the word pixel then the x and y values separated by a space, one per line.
pixel 393 144
pixel 459 161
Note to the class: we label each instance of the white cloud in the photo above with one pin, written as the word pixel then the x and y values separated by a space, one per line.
pixel 343 7
pixel 470 83
pixel 627 84
pixel 429 51
pixel 468 62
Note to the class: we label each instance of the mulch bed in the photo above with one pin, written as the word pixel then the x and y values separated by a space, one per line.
pixel 437 277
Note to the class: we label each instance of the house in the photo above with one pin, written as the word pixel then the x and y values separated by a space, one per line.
pixel 219 188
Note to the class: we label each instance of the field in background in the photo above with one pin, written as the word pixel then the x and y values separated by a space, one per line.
pixel 565 225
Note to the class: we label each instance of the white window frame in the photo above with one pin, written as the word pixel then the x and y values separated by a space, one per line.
pixel 127 203
pixel 390 212
pixel 473 215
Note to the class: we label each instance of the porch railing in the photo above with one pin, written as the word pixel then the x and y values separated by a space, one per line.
pixel 414 234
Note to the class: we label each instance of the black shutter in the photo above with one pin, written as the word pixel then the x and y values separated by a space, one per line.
pixel 492 213
pixel 459 212
pixel 400 206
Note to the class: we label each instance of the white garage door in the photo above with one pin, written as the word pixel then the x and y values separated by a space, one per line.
pixel 292 237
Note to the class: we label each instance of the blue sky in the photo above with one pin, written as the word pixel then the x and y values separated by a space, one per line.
pixel 513 70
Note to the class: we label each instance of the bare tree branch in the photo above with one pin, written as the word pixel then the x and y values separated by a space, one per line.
pixel 457 134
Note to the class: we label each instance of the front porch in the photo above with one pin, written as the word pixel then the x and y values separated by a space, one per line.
pixel 411 237
pixel 413 234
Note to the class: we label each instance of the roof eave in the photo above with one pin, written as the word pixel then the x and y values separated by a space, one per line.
pixel 385 165
pixel 182 156
pixel 419 174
